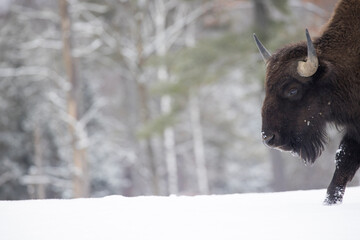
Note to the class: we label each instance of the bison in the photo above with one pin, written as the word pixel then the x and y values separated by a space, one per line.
pixel 312 83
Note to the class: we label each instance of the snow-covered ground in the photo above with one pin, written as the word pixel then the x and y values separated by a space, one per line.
pixel 288 215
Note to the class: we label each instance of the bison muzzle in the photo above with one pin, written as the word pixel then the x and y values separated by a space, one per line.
pixel 312 83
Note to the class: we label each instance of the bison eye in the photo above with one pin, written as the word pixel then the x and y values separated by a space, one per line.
pixel 292 92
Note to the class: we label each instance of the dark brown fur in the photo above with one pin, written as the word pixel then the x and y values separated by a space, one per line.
pixel 331 95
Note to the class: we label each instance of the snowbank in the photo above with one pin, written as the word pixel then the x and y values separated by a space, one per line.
pixel 288 215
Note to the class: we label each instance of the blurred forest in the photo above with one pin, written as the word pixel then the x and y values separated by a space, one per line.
pixel 145 97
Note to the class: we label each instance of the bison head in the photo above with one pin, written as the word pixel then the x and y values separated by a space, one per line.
pixel 296 105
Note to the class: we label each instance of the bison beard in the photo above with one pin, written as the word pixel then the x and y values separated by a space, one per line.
pixel 310 149
pixel 319 81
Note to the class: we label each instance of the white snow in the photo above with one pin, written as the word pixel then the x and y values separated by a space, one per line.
pixel 288 215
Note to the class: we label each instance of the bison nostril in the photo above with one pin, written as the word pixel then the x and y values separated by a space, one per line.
pixel 268 139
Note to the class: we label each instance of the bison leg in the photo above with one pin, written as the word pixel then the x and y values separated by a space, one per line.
pixel 347 163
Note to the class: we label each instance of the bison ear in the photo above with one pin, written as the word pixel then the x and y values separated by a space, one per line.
pixel 263 51
pixel 310 66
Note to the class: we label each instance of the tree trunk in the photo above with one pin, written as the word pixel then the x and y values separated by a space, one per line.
pixel 80 171
pixel 261 19
pixel 166 100
pixel 198 140
pixel 196 127
pixel 145 146
pixel 169 145
pixel 148 148
pixel 279 182
pixel 39 163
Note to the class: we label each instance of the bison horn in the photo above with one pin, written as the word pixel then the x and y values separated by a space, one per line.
pixel 309 67
pixel 263 51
